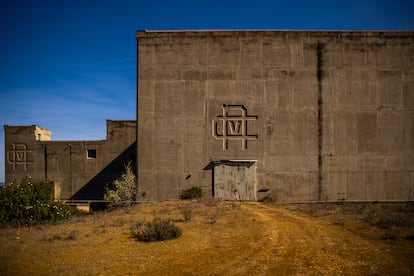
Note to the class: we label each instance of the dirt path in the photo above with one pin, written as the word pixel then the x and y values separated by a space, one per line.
pixel 221 238
pixel 303 245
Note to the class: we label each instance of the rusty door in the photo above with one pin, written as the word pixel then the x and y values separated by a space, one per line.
pixel 235 180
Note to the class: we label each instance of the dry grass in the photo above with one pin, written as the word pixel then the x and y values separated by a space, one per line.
pixel 389 220
pixel 218 238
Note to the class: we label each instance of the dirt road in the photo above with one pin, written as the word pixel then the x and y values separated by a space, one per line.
pixel 304 245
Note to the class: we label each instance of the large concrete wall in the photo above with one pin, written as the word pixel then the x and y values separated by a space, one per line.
pixel 328 115
pixel 67 162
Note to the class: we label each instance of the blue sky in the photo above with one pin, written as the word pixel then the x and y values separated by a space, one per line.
pixel 68 65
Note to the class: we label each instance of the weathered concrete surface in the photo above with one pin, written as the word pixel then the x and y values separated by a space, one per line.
pixel 67 162
pixel 332 111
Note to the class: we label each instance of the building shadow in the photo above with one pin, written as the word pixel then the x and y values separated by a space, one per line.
pixel 96 187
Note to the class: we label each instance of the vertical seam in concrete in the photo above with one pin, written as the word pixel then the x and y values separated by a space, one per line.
pixel 207 99
pixel 261 61
pixel 70 171
pixel 262 100
pixel 137 120
pixel 45 157
pixel 319 73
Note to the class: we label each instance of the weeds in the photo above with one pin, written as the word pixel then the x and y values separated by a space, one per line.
pixel 392 233
pixel 118 222
pixel 212 219
pixel 212 202
pixel 71 236
pixel 192 193
pixel 54 237
pixel 393 220
pixel 186 212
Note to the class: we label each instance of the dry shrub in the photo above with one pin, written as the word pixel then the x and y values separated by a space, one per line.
pixel 212 218
pixel 117 222
pixel 157 230
pixel 267 199
pixel 236 205
pixel 192 193
pixel 211 201
pixel 73 235
pixel 386 216
pixel 124 191
pixel 187 212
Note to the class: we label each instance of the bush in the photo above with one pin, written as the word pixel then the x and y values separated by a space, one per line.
pixel 192 193
pixel 157 230
pixel 30 202
pixel 125 189
pixel 267 199
pixel 187 212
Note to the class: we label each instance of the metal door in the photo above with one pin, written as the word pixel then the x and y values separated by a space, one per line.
pixel 235 180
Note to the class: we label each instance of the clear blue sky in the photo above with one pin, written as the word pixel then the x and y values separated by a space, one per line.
pixel 68 65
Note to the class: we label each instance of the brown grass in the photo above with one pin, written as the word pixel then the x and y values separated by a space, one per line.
pixel 219 238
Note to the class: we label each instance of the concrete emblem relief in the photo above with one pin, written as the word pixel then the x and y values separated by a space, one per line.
pixel 19 155
pixel 232 125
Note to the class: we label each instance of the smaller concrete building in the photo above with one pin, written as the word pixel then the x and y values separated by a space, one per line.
pixel 80 169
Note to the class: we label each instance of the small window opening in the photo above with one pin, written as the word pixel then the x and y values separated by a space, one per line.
pixel 91 154
pixel 39 137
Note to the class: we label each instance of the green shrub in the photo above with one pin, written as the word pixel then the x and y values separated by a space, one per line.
pixel 30 202
pixel 192 193
pixel 157 230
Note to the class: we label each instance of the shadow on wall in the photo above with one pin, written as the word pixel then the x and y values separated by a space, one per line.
pixel 95 188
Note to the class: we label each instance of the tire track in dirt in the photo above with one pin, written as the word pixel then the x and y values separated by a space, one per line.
pixel 310 246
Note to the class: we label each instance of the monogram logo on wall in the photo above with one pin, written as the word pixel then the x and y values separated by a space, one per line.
pixel 232 125
pixel 18 155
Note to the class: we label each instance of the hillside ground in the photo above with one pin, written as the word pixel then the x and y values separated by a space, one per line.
pixel 221 238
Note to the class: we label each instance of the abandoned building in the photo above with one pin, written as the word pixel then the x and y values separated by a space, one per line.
pixel 303 115
pixel 299 115
pixel 81 170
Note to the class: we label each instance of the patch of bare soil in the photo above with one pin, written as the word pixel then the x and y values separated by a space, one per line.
pixel 219 238
pixel 333 239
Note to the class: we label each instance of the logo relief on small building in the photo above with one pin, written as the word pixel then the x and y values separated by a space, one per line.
pixel 232 125
pixel 18 155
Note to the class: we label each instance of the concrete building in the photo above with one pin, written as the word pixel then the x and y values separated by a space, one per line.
pixel 81 169
pixel 299 115
pixel 302 115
